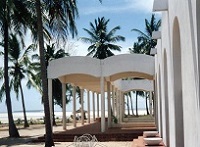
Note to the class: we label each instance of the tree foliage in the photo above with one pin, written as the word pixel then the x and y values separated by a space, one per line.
pixel 144 40
pixel 101 39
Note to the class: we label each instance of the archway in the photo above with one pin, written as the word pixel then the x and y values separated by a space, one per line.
pixel 179 129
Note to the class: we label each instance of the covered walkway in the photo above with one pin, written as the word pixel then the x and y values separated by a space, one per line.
pixel 100 76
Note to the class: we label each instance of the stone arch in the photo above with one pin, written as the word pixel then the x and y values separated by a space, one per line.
pixel 179 126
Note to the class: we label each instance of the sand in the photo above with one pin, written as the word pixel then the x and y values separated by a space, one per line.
pixel 34 131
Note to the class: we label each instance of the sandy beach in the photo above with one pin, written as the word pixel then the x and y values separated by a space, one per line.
pixel 34 131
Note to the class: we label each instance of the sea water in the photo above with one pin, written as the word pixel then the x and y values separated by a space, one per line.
pixel 40 115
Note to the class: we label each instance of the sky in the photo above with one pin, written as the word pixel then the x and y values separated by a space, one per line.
pixel 128 14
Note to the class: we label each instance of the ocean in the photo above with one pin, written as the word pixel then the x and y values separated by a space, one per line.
pixel 40 115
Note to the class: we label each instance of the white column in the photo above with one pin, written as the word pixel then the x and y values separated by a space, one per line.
pixel 98 105
pixel 88 96
pixel 116 100
pixel 50 100
pixel 93 101
pixel 82 108
pixel 121 106
pixel 156 102
pixel 150 102
pixel 64 105
pixel 74 106
pixel 102 105
pixel 113 99
pixel 109 104
pixel 117 105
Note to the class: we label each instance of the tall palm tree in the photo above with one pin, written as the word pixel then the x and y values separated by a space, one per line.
pixel 127 103
pixel 131 101
pixel 13 15
pixel 145 41
pixel 51 54
pixel 138 93
pixel 146 99
pixel 101 40
pixel 61 15
pixel 19 69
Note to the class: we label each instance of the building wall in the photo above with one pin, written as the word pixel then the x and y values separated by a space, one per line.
pixel 179 76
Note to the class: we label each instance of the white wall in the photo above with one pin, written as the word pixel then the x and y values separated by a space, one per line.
pixel 183 11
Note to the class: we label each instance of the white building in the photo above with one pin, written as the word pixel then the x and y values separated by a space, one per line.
pixel 174 70
pixel 177 72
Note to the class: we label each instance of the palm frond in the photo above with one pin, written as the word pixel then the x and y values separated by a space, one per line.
pixel 114 47
pixel 94 36
pixel 87 40
pixel 140 32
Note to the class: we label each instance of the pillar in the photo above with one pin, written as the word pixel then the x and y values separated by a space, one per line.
pixel 120 107
pixel 113 100
pixel 102 105
pixel 88 96
pixel 123 105
pixel 82 108
pixel 98 105
pixel 64 105
pixel 50 100
pixel 109 104
pixel 74 106
pixel 150 103
pixel 93 101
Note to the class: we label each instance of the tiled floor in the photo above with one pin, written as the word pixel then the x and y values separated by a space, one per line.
pixel 110 134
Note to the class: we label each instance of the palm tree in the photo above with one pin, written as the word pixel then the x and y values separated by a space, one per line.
pixel 19 69
pixel 61 15
pixel 131 100
pixel 129 96
pixel 127 103
pixel 138 93
pixel 146 99
pixel 145 41
pixel 51 54
pixel 101 40
pixel 13 15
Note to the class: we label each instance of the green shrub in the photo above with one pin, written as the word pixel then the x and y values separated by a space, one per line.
pixel 115 120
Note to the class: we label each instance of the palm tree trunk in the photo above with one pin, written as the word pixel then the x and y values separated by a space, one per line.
pixel 13 132
pixel 23 107
pixel 128 106
pixel 147 109
pixel 132 104
pixel 136 103
pixel 53 111
pixel 49 136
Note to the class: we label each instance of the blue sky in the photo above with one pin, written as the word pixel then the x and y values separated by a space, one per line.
pixel 128 14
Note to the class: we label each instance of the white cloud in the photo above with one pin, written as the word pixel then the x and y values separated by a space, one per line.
pixel 143 6
pixel 76 47
pixel 79 48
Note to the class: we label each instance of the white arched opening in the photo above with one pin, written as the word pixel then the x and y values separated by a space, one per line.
pixel 179 129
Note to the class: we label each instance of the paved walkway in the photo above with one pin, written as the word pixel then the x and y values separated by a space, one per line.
pixel 38 130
